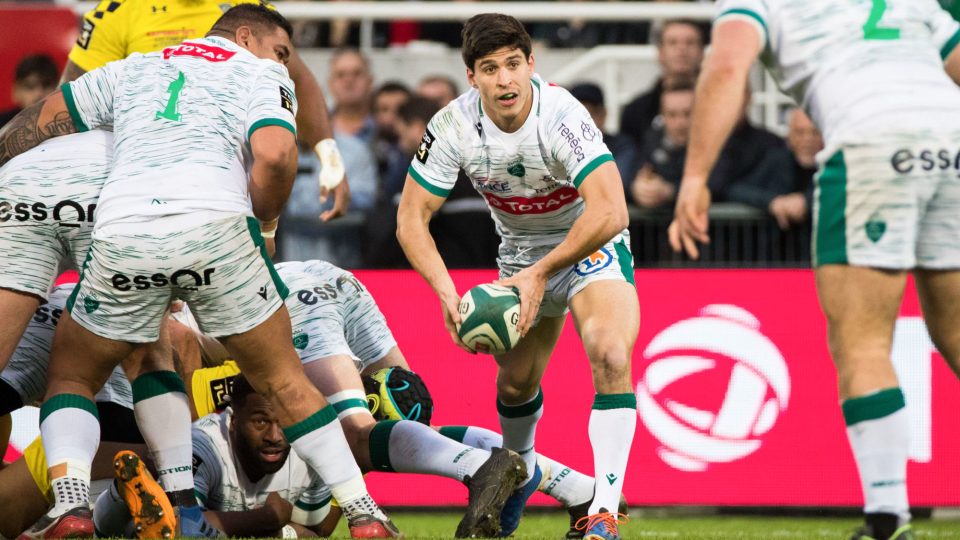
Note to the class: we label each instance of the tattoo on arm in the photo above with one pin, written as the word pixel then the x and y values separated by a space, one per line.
pixel 27 130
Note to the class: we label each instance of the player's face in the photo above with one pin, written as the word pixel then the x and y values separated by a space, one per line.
pixel 503 79
pixel 675 108
pixel 257 437
pixel 268 45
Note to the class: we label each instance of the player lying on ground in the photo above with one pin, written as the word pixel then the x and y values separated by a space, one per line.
pixel 879 81
pixel 245 476
pixel 151 206
pixel 553 190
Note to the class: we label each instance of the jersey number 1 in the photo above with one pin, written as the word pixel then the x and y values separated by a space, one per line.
pixel 170 113
pixel 871 30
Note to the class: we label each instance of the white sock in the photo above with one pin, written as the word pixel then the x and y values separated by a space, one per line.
pixel 879 433
pixel 567 486
pixel 613 421
pixel 70 430
pixel 519 426
pixel 162 409
pixel 111 517
pixel 411 447
pixel 319 441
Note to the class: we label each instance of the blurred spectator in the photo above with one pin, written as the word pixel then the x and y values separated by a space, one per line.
pixel 36 76
pixel 440 88
pixel 679 52
pixel 591 97
pixel 387 99
pixel 584 34
pixel 661 157
pixel 350 85
pixel 785 189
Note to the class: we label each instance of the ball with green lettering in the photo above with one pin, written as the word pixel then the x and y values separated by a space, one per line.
pixel 488 319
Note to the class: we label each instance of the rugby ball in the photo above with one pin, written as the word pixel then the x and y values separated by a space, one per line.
pixel 488 319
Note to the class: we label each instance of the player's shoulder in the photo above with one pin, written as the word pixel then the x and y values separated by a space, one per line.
pixel 553 98
pixel 464 111
pixel 209 432
pixel 108 9
pixel 93 147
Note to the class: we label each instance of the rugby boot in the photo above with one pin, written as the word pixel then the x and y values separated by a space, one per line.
pixel 883 527
pixel 600 526
pixel 74 523
pixel 513 508
pixel 370 526
pixel 579 511
pixel 153 515
pixel 489 489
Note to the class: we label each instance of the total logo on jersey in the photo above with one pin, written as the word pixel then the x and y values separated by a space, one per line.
pixel 207 52
pixel 534 205
pixel 739 386
pixel 122 282
pixel 38 211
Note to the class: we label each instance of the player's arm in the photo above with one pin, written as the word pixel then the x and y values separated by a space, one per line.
pixel 71 72
pixel 735 44
pixel 43 120
pixel 265 521
pixel 274 150
pixel 604 216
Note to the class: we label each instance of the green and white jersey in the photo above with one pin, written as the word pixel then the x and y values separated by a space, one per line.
pixel 529 178
pixel 332 313
pixel 182 120
pixel 221 485
pixel 862 69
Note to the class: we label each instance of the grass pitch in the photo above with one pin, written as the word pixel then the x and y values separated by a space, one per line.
pixel 553 526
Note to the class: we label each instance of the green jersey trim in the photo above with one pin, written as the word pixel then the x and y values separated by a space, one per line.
pixel 310 507
pixel 749 13
pixel 950 45
pixel 590 167
pixel 72 108
pixel 271 122
pixel 439 192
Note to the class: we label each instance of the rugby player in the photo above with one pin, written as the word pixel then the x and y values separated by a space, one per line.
pixel 117 29
pixel 879 81
pixel 553 189
pixel 153 206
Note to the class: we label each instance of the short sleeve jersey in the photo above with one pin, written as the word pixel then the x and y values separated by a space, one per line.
pixel 861 68
pixel 221 485
pixel 115 29
pixel 182 119
pixel 529 178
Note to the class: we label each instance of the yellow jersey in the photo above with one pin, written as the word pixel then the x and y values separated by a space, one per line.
pixel 117 28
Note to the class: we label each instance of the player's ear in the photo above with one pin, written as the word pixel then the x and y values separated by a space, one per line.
pixel 244 36
pixel 470 78
pixel 533 62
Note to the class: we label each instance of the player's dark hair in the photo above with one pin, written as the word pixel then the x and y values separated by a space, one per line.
pixel 658 32
pixel 240 389
pixel 418 108
pixel 255 15
pixel 40 65
pixel 488 32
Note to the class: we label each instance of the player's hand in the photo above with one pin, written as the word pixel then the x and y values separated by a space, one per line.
pixel 690 220
pixel 279 508
pixel 341 200
pixel 530 283
pixel 450 303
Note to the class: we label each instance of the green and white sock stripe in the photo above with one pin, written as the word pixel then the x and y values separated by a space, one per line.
pixel 603 402
pixel 380 445
pixel 524 409
pixel 349 402
pixel 156 383
pixel 313 422
pixel 873 406
pixel 457 433
pixel 67 401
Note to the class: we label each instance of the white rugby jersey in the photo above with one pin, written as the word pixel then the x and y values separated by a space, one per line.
pixel 529 178
pixel 182 119
pixel 222 486
pixel 860 68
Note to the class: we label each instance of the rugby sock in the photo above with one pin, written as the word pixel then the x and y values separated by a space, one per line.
pixel 567 486
pixel 519 425
pixel 411 447
pixel 879 433
pixel 162 409
pixel 319 440
pixel 612 423
pixel 111 517
pixel 70 430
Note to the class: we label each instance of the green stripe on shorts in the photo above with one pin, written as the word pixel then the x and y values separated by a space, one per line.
pixel 76 288
pixel 625 258
pixel 830 226
pixel 254 227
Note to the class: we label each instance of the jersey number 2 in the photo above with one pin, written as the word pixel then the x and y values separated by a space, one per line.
pixel 871 30
pixel 170 113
